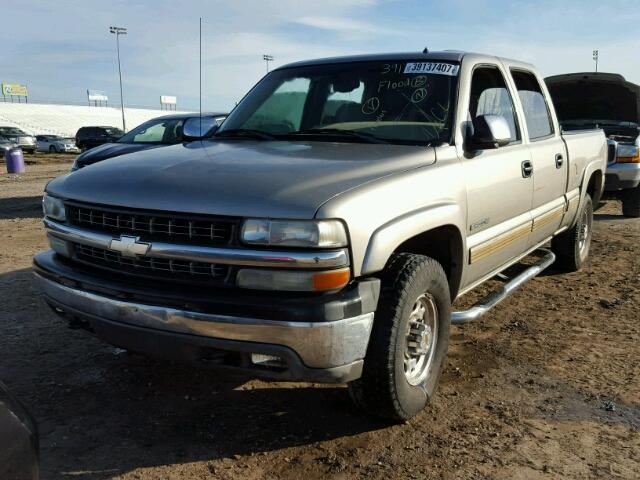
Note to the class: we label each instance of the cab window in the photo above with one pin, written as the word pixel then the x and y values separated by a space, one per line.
pixel 534 105
pixel 490 96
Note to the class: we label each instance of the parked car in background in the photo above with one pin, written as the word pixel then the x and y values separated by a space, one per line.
pixel 22 139
pixel 158 132
pixel 325 230
pixel 89 137
pixel 5 145
pixel 56 144
pixel 607 101
pixel 19 445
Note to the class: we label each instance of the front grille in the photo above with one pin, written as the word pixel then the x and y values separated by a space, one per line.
pixel 152 267
pixel 151 226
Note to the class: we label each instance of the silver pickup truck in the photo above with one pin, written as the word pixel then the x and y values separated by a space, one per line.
pixel 324 232
pixel 607 101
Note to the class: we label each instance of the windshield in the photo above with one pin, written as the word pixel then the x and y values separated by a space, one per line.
pixel 167 131
pixel 11 131
pixel 407 102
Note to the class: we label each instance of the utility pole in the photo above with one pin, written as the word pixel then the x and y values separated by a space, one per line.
pixel 595 57
pixel 120 31
pixel 267 59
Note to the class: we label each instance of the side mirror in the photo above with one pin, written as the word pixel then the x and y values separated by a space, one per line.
pixel 195 128
pixel 490 131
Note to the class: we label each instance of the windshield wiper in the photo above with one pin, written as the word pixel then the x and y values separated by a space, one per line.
pixel 245 132
pixel 338 132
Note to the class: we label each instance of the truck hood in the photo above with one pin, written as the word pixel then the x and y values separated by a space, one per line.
pixel 237 177
pixel 594 96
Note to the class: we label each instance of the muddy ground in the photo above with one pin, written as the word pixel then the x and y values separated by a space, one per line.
pixel 546 386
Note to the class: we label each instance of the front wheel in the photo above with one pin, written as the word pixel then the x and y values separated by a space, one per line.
pixel 409 340
pixel 52 149
pixel 572 247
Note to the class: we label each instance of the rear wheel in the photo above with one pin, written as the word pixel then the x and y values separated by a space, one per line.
pixel 631 202
pixel 572 247
pixel 409 341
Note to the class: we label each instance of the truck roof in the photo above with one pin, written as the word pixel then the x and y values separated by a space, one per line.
pixel 445 55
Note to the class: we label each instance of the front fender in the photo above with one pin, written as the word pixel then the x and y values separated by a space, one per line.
pixel 388 237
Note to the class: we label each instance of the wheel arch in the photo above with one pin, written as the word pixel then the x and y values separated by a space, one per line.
pixel 444 244
pixel 435 232
pixel 595 186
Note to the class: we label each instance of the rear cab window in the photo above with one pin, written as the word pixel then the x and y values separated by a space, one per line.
pixel 534 105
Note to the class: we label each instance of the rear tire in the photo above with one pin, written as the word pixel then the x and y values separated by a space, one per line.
pixel 631 202
pixel 409 340
pixel 572 247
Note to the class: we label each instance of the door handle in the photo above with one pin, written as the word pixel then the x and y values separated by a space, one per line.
pixel 527 168
pixel 559 160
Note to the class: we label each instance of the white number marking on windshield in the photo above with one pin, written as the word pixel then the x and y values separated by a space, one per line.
pixel 431 67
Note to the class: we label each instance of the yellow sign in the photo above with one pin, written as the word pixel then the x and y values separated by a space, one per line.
pixel 14 90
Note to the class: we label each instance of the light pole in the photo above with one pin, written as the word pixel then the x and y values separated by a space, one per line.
pixel 120 31
pixel 595 57
pixel 267 59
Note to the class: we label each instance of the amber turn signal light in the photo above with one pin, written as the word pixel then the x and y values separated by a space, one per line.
pixel 331 280
pixel 635 159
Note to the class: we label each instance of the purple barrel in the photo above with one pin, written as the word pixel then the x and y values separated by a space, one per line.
pixel 15 160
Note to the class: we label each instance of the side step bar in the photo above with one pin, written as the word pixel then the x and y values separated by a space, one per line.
pixel 494 298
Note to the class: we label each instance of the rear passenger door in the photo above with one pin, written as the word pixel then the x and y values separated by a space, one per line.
pixel 547 154
pixel 499 193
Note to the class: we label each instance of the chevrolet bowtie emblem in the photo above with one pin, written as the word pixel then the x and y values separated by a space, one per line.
pixel 129 246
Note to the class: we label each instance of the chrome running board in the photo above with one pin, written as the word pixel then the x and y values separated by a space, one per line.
pixel 494 298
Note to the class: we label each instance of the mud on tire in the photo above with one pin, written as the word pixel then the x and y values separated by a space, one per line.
pixel 394 384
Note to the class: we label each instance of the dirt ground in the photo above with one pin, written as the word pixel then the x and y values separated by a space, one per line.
pixel 545 386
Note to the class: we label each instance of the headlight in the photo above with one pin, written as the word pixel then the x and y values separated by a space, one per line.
pixel 295 233
pixel 628 154
pixel 296 281
pixel 53 208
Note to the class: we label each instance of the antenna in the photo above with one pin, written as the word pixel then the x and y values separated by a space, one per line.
pixel 200 77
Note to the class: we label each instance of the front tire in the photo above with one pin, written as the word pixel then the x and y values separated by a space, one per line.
pixel 631 202
pixel 572 247
pixel 409 340
pixel 52 149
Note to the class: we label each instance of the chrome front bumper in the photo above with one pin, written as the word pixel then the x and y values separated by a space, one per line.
pixel 331 351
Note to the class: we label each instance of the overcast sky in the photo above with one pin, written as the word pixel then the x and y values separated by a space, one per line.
pixel 59 49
